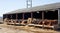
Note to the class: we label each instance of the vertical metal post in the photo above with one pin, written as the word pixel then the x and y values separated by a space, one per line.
pixel 16 16
pixel 16 19
pixel 11 16
pixel 31 15
pixel 23 16
pixel 43 18
pixel 42 15
pixel 6 16
pixel 58 16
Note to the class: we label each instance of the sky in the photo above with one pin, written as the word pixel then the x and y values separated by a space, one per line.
pixel 11 5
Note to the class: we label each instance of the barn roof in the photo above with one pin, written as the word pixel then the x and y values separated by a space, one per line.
pixel 37 8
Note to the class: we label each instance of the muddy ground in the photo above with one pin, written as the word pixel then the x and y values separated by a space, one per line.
pixel 23 29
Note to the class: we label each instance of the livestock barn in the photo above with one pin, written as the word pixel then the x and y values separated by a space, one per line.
pixel 45 15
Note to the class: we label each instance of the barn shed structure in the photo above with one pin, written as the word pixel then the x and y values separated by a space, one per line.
pixel 47 15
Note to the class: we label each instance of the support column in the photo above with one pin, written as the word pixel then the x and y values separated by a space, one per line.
pixel 31 18
pixel 43 18
pixel 11 19
pixel 31 15
pixel 11 16
pixel 23 19
pixel 16 19
pixel 16 16
pixel 58 16
pixel 6 16
pixel 23 16
pixel 7 19
pixel 42 15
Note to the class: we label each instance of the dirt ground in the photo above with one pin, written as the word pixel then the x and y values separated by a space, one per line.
pixel 8 30
pixel 23 29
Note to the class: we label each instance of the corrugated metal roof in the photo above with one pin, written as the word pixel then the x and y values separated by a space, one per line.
pixel 37 8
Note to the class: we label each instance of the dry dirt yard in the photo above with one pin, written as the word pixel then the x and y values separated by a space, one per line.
pixel 23 29
pixel 8 30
